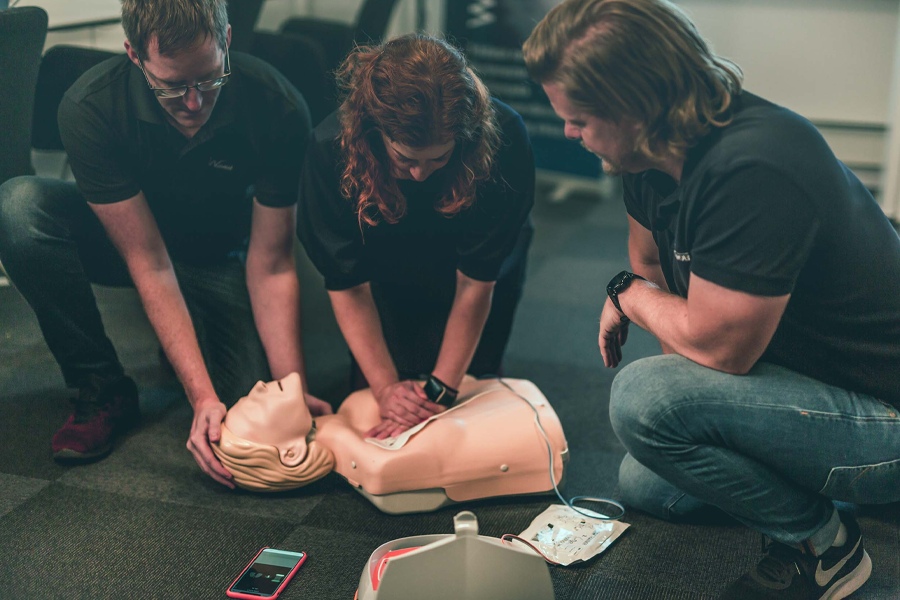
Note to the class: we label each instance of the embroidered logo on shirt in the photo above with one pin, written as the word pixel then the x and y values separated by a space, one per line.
pixel 682 256
pixel 220 164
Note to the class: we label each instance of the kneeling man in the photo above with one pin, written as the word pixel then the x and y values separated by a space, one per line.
pixel 770 277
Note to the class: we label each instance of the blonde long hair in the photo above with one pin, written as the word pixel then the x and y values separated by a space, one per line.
pixel 636 59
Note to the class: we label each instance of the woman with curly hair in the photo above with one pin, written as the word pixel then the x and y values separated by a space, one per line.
pixel 414 203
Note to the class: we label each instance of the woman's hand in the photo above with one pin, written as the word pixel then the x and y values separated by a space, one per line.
pixel 402 405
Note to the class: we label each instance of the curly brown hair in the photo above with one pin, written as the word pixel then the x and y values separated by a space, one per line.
pixel 419 91
pixel 639 59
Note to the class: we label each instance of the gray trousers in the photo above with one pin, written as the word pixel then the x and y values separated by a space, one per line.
pixel 53 247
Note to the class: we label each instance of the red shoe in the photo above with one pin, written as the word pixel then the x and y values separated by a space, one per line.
pixel 103 410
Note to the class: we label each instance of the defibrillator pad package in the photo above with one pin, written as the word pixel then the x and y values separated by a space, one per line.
pixel 566 537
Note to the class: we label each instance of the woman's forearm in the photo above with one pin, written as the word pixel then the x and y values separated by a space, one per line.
pixel 469 313
pixel 357 316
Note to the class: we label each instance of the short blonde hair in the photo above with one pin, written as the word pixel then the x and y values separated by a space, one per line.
pixel 636 59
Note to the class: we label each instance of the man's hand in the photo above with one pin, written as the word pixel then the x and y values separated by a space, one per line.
pixel 207 427
pixel 317 407
pixel 613 333
pixel 402 405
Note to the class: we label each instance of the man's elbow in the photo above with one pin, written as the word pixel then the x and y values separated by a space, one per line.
pixel 731 361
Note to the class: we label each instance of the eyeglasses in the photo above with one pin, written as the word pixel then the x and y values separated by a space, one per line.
pixel 181 90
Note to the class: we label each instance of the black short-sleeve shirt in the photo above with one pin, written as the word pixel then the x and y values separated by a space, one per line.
pixel 200 190
pixel 765 208
pixel 423 245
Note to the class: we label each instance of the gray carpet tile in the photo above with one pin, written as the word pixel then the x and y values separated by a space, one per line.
pixel 15 490
pixel 336 560
pixel 71 542
pixel 28 422
pixel 568 335
pixel 881 536
pixel 152 463
pixel 572 282
pixel 353 513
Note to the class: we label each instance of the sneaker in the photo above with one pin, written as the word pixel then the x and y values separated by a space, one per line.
pixel 788 573
pixel 103 410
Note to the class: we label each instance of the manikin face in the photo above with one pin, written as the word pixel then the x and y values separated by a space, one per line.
pixel 274 414
pixel 203 61
pixel 416 163
pixel 612 142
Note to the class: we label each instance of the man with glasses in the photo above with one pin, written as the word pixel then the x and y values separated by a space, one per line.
pixel 194 183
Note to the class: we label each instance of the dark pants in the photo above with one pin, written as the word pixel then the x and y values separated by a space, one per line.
pixel 53 247
pixel 414 316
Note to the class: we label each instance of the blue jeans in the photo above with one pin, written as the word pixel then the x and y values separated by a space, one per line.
pixel 772 448
pixel 53 247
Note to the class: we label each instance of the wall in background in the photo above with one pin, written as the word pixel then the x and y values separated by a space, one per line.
pixel 833 61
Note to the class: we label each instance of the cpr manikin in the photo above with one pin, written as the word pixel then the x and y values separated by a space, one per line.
pixel 487 445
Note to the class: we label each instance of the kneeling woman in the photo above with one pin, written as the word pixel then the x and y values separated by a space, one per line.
pixel 414 203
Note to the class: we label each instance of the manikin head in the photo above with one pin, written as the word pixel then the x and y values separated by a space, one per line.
pixel 180 43
pixel 267 439
pixel 633 79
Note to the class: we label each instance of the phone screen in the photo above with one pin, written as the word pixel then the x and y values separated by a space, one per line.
pixel 267 572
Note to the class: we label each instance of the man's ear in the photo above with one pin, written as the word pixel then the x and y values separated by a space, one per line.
pixel 228 36
pixel 294 453
pixel 132 53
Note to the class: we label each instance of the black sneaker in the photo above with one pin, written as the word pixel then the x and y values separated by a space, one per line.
pixel 787 573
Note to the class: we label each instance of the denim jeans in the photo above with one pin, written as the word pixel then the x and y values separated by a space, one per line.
pixel 53 247
pixel 772 448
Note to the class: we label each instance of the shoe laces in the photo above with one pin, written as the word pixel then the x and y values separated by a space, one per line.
pixel 779 563
pixel 85 411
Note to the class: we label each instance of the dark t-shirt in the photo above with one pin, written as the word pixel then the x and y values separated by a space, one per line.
pixel 200 190
pixel 764 207
pixel 423 245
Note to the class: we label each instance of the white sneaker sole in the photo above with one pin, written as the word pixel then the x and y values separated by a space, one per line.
pixel 850 582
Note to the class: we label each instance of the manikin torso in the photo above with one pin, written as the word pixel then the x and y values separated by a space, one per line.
pixel 489 445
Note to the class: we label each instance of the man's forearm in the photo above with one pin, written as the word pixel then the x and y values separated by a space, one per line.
pixel 469 313
pixel 652 272
pixel 275 301
pixel 665 315
pixel 357 316
pixel 171 321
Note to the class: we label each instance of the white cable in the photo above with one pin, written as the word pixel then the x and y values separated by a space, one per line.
pixel 569 503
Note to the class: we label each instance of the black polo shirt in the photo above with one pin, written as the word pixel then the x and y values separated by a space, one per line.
pixel 424 245
pixel 200 190
pixel 764 207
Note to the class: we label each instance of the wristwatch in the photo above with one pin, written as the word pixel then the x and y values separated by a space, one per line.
pixel 439 392
pixel 619 284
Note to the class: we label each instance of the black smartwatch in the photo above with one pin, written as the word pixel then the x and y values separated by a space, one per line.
pixel 439 392
pixel 618 284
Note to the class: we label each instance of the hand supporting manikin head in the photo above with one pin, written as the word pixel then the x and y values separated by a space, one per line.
pixel 267 439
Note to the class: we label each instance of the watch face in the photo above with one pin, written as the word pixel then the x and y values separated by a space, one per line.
pixel 617 282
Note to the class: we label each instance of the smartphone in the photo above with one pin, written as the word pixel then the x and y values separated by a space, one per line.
pixel 266 575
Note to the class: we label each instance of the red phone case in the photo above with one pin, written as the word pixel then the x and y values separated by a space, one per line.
pixel 287 579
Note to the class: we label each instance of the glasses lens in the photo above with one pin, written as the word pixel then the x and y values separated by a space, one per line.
pixel 170 92
pixel 208 86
